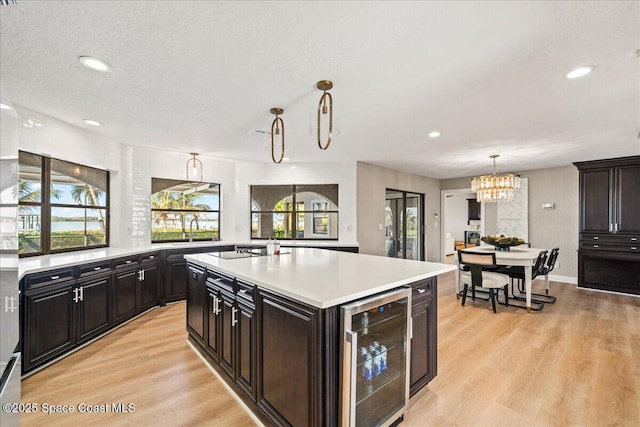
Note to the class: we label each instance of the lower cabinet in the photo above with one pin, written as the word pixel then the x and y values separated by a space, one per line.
pixel 125 284
pixel 195 302
pixel 94 308
pixel 231 334
pixel 424 340
pixel 150 277
pixel 48 326
pixel 61 316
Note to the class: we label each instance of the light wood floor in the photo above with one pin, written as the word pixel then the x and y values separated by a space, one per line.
pixel 576 363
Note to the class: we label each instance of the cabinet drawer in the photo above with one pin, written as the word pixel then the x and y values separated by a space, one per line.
pixel 48 278
pixel 94 268
pixel 610 238
pixel 220 280
pixel 630 248
pixel 246 291
pixel 150 257
pixel 421 290
pixel 125 262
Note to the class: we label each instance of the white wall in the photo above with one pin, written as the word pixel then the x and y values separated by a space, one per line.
pixel 341 173
pixel 456 215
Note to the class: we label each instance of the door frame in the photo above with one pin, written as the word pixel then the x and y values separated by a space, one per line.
pixel 443 213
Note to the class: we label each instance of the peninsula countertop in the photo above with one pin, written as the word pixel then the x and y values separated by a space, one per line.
pixel 323 278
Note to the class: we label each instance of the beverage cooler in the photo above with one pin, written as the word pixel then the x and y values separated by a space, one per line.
pixel 375 359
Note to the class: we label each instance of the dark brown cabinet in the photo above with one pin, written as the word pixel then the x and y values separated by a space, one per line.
pixel 94 306
pixel 62 313
pixel 48 326
pixel 125 284
pixel 196 302
pixel 150 277
pixel 231 336
pixel 424 334
pixel 473 210
pixel 609 247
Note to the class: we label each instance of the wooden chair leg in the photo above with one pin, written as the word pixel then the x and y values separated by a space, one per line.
pixel 493 300
pixel 464 293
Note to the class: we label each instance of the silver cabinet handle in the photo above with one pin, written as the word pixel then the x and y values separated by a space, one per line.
pixel 97 268
pixel 610 227
pixel 596 238
pixel 233 316
pixel 75 295
pixel 152 256
pixel 142 274
pixel 243 291
pixel 139 275
pixel 349 375
pixel 421 291
pixel 55 277
pixel 596 246
pixel 633 239
pixel 615 227
pixel 633 248
pixel 82 293
pixel 128 261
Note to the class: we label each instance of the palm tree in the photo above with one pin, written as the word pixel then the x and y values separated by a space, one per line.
pixel 165 201
pixel 88 195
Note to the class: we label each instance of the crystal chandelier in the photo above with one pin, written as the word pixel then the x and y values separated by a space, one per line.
pixel 495 188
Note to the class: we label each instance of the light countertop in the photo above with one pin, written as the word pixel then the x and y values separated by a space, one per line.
pixel 35 264
pixel 323 278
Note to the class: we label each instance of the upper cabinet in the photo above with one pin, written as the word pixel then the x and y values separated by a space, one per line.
pixel 609 201
pixel 473 209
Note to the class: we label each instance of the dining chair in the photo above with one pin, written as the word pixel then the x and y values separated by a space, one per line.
pixel 475 273
pixel 545 270
pixel 517 273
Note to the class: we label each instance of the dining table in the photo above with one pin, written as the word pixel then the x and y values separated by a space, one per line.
pixel 515 256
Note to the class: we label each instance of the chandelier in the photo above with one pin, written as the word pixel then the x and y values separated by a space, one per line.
pixel 495 188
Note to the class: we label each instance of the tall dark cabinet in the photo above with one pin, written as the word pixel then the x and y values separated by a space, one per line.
pixel 609 249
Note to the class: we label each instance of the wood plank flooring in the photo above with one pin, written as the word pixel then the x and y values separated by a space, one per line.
pixel 576 363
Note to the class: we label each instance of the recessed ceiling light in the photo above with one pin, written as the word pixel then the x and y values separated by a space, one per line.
pixel 92 122
pixel 94 63
pixel 579 72
pixel 5 107
pixel 434 134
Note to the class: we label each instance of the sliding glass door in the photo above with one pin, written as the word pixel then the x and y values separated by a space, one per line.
pixel 404 213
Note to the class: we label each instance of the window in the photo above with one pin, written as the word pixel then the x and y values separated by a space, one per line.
pixel 62 206
pixel 178 209
pixel 294 211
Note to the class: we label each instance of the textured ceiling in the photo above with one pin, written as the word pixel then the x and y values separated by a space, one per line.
pixel 197 76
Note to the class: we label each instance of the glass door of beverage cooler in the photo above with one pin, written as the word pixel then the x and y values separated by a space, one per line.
pixel 375 359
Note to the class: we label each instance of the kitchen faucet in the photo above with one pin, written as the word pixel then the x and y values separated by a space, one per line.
pixel 191 228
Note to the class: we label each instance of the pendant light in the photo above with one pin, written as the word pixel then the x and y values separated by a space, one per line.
pixel 495 188
pixel 325 113
pixel 194 170
pixel 277 128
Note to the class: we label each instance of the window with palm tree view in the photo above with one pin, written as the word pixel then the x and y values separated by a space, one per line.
pixel 62 206
pixel 180 211
pixel 294 211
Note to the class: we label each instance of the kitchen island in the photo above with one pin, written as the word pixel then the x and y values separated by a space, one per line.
pixel 271 324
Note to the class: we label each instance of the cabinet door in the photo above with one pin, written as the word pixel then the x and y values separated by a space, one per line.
pixel 227 337
pixel 125 284
pixel 49 319
pixel 149 286
pixel 597 203
pixel 246 348
pixel 176 278
pixel 628 199
pixel 420 346
pixel 195 302
pixel 213 331
pixel 94 316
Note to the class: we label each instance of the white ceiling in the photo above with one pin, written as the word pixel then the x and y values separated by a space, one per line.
pixel 197 76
